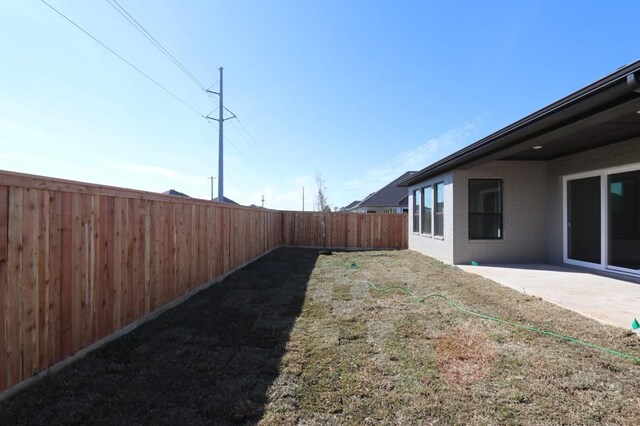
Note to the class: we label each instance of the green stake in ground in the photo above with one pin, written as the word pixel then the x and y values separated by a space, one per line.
pixel 635 324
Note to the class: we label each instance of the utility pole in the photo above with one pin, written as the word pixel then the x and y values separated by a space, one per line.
pixel 263 200
pixel 220 121
pixel 211 178
pixel 303 198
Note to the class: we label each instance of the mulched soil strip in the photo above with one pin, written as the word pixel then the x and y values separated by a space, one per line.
pixel 210 360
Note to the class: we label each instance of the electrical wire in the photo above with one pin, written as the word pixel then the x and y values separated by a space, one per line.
pixel 212 112
pixel 250 139
pixel 255 166
pixel 264 154
pixel 191 36
pixel 206 90
pixel 123 59
pixel 142 30
pixel 514 324
pixel 120 9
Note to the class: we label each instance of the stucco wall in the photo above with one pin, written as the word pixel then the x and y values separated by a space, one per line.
pixel 618 154
pixel 439 247
pixel 524 200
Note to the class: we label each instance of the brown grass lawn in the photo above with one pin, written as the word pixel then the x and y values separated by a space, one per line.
pixel 301 338
pixel 356 356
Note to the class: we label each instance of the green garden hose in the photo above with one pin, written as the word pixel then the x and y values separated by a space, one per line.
pixel 454 305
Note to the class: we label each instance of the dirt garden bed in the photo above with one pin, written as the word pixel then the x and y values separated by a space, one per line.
pixel 301 338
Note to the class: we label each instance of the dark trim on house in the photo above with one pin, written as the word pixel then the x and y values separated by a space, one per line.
pixel 614 97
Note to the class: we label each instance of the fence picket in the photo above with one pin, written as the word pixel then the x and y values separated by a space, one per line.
pixel 79 261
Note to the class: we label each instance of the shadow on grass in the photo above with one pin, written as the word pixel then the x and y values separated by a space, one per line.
pixel 210 360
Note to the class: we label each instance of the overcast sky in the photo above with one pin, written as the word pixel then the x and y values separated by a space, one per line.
pixel 359 91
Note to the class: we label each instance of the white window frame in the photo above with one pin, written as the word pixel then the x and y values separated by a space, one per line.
pixel 604 218
pixel 434 192
pixel 423 190
pixel 413 216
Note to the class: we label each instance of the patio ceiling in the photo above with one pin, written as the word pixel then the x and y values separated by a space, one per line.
pixel 600 114
pixel 606 127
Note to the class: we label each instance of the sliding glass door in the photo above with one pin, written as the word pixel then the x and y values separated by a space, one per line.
pixel 624 221
pixel 583 220
pixel 602 219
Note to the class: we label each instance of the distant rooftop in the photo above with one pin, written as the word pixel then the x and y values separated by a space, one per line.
pixel 351 205
pixel 175 193
pixel 226 200
pixel 389 195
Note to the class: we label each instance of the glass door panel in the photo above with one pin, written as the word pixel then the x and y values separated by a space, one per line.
pixel 624 220
pixel 584 220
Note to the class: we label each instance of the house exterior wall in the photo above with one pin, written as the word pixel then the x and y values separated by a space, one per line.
pixel 619 154
pixel 524 214
pixel 532 207
pixel 439 247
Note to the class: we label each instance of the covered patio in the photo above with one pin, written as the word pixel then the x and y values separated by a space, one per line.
pixel 614 301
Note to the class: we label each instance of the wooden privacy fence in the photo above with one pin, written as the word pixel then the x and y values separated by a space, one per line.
pixel 79 262
pixel 345 230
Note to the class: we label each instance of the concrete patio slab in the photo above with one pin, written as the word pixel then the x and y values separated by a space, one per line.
pixel 609 300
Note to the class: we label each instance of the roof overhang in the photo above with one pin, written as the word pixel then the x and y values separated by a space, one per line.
pixel 600 114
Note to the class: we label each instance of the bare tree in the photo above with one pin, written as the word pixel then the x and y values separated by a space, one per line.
pixel 321 203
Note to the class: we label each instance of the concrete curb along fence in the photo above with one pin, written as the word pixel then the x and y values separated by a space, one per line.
pixel 82 264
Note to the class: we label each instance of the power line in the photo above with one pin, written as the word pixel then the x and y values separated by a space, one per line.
pixel 195 41
pixel 208 91
pixel 251 139
pixel 122 59
pixel 212 112
pixel 120 9
pixel 191 36
pixel 264 155
pixel 142 30
pixel 256 166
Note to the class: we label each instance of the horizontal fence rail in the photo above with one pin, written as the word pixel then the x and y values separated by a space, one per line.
pixel 79 262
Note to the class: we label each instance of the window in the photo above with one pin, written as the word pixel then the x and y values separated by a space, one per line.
pixel 416 211
pixel 485 209
pixel 427 204
pixel 602 219
pixel 438 214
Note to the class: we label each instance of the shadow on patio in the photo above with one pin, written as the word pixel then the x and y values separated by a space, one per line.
pixel 209 360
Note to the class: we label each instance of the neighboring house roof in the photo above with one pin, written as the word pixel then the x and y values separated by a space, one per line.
pixel 351 205
pixel 599 114
pixel 389 195
pixel 226 200
pixel 176 193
